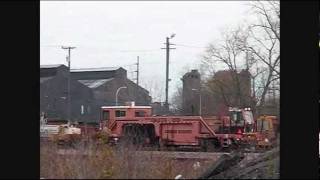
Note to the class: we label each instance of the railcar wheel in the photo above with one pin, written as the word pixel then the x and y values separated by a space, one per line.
pixel 210 145
pixel 159 145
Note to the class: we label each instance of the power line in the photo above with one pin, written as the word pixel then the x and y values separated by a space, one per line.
pixel 112 50
pixel 135 50
pixel 56 46
pixel 143 50
pixel 190 46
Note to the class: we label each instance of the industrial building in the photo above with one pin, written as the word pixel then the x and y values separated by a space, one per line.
pixel 54 97
pixel 91 88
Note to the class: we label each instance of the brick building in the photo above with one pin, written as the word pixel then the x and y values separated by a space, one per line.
pixel 230 88
pixel 217 94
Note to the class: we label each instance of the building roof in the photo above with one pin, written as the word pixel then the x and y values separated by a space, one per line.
pixel 44 79
pixel 126 107
pixel 94 83
pixel 95 69
pixel 221 73
pixel 51 65
pixel 138 86
pixel 192 73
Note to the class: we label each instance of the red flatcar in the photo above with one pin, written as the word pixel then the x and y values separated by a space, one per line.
pixel 137 124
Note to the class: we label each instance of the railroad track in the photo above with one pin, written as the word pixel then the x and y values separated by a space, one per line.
pixel 165 154
pixel 182 154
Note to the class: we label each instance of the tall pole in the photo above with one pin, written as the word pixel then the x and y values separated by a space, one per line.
pixel 137 71
pixel 200 104
pixel 167 73
pixel 69 89
pixel 167 69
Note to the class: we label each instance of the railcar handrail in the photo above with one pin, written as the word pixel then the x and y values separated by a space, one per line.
pixel 207 126
pixel 113 124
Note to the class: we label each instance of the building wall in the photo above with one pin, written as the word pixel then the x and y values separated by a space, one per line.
pixel 53 100
pixel 82 96
pixel 107 93
pixel 245 87
pixel 224 91
pixel 54 95
pixel 137 93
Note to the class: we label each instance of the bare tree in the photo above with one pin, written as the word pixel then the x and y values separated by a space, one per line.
pixel 254 47
pixel 230 54
pixel 155 88
pixel 176 104
pixel 263 44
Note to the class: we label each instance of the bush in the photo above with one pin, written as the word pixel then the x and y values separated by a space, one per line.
pixel 104 162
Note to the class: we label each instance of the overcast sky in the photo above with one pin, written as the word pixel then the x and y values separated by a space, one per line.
pixel 110 33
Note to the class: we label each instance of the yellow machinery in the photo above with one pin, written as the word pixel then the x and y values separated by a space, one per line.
pixel 267 131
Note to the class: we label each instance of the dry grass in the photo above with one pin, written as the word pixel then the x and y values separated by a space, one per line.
pixel 105 162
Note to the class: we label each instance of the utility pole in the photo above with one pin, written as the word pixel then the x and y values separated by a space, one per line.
pixel 167 69
pixel 69 67
pixel 137 71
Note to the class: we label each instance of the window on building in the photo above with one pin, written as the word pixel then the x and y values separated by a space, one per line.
pixel 120 113
pixel 106 115
pixel 263 125
pixel 236 119
pixel 140 114
pixel 82 109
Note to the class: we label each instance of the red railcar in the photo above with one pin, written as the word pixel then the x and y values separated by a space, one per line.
pixel 137 124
